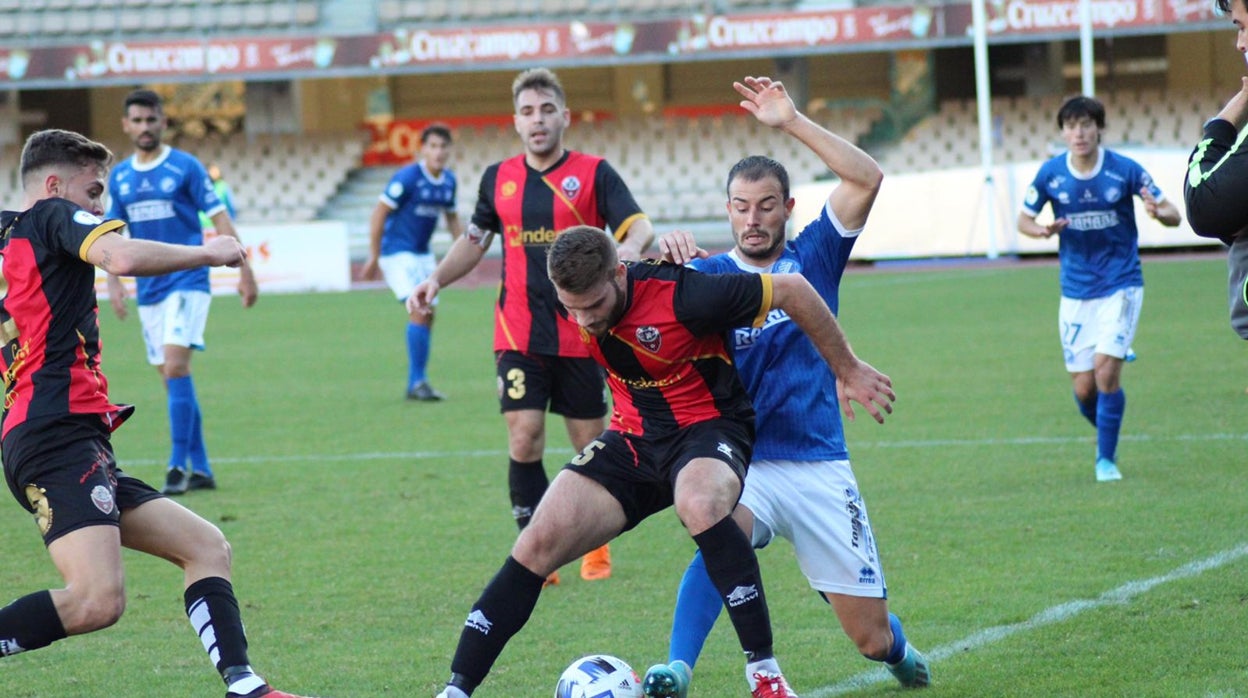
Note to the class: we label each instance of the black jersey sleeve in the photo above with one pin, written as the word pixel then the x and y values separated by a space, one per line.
pixel 615 200
pixel 65 228
pixel 715 303
pixel 485 216
pixel 1216 188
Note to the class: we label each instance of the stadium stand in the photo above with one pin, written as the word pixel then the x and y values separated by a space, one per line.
pixel 58 20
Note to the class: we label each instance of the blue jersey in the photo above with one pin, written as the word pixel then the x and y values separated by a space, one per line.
pixel 794 391
pixel 161 201
pixel 417 199
pixel 1100 249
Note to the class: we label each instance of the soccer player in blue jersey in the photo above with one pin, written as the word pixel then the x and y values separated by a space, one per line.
pixel 159 192
pixel 398 241
pixel 800 485
pixel 1090 189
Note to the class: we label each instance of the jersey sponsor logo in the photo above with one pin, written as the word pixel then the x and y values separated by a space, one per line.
pixel 539 237
pixel 477 621
pixel 157 210
pixel 649 337
pixel 87 218
pixel 643 383
pixel 742 594
pixel 1093 220
pixel 123 189
pixel 509 189
pixel 570 185
pixel 102 498
pixel 745 337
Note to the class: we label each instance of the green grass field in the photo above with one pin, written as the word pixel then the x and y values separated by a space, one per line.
pixel 364 526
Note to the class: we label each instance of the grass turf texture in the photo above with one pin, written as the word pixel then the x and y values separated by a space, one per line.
pixel 364 525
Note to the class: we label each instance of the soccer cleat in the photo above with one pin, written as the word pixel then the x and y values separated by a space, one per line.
pixel 551 580
pixel 201 482
pixel 769 685
pixel 596 564
pixel 667 680
pixel 1107 471
pixel 911 671
pixel 264 691
pixel 176 482
pixel 424 392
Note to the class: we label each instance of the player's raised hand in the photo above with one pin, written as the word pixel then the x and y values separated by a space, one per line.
pixel 767 100
pixel 421 300
pixel 679 247
pixel 867 387
pixel 1056 227
pixel 1150 202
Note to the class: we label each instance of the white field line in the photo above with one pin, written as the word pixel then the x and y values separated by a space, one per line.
pixel 491 453
pixel 1053 614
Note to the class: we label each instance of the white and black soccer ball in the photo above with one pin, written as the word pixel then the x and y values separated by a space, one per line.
pixel 599 676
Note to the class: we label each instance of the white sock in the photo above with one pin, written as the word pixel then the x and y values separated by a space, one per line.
pixel 245 684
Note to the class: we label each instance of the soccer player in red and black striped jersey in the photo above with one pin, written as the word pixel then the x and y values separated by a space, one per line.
pixel 541 363
pixel 58 417
pixel 681 434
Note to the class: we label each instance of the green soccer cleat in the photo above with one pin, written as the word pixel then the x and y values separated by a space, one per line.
pixel 667 680
pixel 911 671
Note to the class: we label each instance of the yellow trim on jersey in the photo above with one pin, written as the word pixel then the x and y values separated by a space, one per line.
pixel 566 201
pixel 104 228
pixel 622 231
pixel 768 293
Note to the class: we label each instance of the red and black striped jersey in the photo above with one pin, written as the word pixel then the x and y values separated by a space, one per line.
pixel 528 209
pixel 669 358
pixel 49 319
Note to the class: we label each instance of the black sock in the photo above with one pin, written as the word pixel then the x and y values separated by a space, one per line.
pixel 527 482
pixel 213 611
pixel 501 611
pixel 733 569
pixel 29 623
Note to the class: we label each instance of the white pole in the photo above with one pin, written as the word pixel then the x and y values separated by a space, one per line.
pixel 1086 68
pixel 983 100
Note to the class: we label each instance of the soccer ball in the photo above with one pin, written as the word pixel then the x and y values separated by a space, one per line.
pixel 599 676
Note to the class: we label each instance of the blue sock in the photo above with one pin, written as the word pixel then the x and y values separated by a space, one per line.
pixel 181 397
pixel 198 451
pixel 417 352
pixel 898 651
pixel 1087 409
pixel 1109 410
pixel 697 606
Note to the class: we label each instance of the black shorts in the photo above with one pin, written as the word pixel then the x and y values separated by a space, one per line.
pixel 63 472
pixel 641 472
pixel 572 387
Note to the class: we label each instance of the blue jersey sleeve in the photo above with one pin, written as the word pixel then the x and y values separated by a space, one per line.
pixel 1037 193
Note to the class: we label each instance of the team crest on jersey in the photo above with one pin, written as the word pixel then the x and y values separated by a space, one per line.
pixel 648 336
pixel 168 184
pixel 1112 194
pixel 102 498
pixel 38 498
pixel 570 186
pixel 86 218
pixel 509 189
pixel 786 266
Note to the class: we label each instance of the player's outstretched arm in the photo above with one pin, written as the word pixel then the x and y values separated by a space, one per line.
pixel 859 173
pixel 856 379
pixel 122 256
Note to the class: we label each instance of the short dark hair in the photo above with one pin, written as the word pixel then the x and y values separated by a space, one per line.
pixel 1078 107
pixel 56 148
pixel 436 130
pixel 759 167
pixel 537 79
pixel 581 257
pixel 1224 6
pixel 144 98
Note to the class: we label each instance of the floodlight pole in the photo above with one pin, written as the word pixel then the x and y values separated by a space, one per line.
pixel 983 100
pixel 1086 68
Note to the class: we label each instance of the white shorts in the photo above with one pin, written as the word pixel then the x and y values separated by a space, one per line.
pixel 1098 326
pixel 817 507
pixel 178 320
pixel 403 271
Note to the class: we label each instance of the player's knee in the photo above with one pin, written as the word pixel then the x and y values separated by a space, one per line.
pixel 93 608
pixel 874 645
